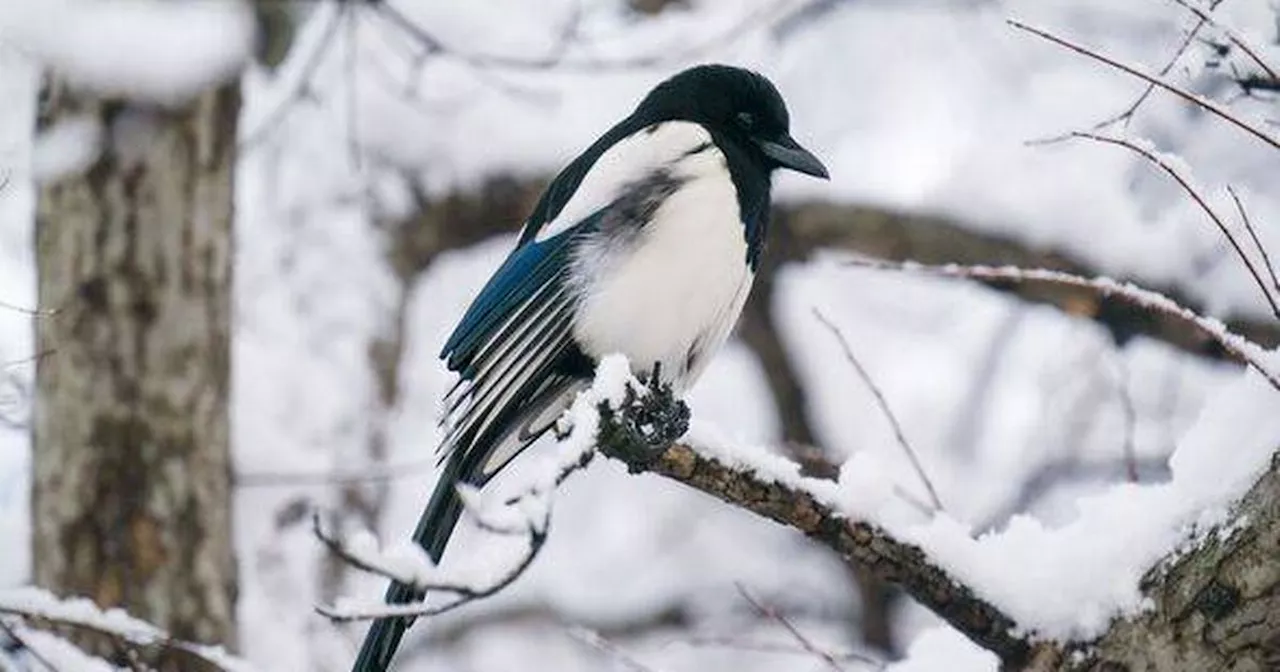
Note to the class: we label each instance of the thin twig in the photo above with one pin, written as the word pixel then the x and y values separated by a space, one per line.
pixel 33 359
pixel 556 58
pixel 1242 349
pixel 536 531
pixel 801 639
pixel 377 474
pixel 884 407
pixel 465 594
pixel 766 647
pixel 1041 482
pixel 1128 449
pixel 598 642
pixel 30 312
pixel 349 69
pixel 1232 35
pixel 1126 115
pixel 302 84
pixel 1253 235
pixel 1184 182
pixel 12 632
pixel 1196 99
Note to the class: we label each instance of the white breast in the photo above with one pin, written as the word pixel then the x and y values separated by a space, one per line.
pixel 672 295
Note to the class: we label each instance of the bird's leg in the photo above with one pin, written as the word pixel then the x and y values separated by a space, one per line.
pixel 639 430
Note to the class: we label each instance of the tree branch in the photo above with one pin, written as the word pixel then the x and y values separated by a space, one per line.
pixel 933 240
pixel 886 556
pixel 140 642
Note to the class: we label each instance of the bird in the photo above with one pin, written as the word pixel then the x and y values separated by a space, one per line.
pixel 646 245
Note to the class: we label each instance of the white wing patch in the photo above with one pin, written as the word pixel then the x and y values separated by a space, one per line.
pixel 628 161
pixel 674 295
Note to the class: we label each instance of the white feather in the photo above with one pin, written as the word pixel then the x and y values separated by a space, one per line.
pixel 679 287
pixel 626 162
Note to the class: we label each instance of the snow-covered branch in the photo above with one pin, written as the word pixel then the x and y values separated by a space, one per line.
pixel 409 564
pixel 528 514
pixel 1240 348
pixel 772 487
pixel 136 639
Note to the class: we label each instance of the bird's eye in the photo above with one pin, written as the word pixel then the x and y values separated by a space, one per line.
pixel 746 120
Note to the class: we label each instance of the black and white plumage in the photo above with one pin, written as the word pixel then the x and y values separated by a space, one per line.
pixel 645 245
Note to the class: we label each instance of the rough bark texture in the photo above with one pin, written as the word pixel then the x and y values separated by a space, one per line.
pixel 131 494
pixel 1216 607
pixel 859 543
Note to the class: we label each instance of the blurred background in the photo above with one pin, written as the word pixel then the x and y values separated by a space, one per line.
pixel 347 175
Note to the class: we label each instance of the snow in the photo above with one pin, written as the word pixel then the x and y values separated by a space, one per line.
pixel 61 654
pixel 40 603
pixel 944 649
pixel 35 603
pixel 66 148
pixel 1095 574
pixel 149 49
pixel 403 561
pixel 922 106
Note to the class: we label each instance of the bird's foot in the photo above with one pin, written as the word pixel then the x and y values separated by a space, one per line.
pixel 641 428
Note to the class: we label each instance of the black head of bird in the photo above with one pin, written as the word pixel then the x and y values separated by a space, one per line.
pixel 737 106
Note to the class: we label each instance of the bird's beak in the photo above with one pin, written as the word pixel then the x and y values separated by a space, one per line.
pixel 789 154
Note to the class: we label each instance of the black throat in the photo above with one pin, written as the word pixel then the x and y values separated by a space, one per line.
pixel 751 180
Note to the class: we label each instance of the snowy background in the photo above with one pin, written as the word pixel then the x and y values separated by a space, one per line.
pixel 923 106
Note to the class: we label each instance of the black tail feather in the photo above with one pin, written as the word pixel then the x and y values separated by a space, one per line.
pixel 434 529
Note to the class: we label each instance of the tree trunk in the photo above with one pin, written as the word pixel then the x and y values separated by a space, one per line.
pixel 131 492
pixel 1216 607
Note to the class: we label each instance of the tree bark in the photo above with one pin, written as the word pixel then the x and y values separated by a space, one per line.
pixel 131 491
pixel 1216 607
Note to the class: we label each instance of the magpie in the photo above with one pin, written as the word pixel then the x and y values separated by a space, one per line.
pixel 646 245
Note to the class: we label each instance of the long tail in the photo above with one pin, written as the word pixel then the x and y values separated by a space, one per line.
pixel 434 529
pixel 514 428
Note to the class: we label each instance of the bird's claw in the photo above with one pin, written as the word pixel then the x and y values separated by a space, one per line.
pixel 644 424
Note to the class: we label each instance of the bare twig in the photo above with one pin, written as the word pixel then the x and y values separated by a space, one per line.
pixel 1232 35
pixel 1128 448
pixel 302 85
pixel 602 644
pixel 33 359
pixel 534 529
pixel 13 633
pixel 1208 105
pixel 375 474
pixel 1242 349
pixel 464 594
pixel 1253 235
pixel 30 312
pixel 1126 115
pixel 766 647
pixel 1040 482
pixel 1199 199
pixel 349 71
pixel 556 60
pixel 884 407
pixel 804 642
